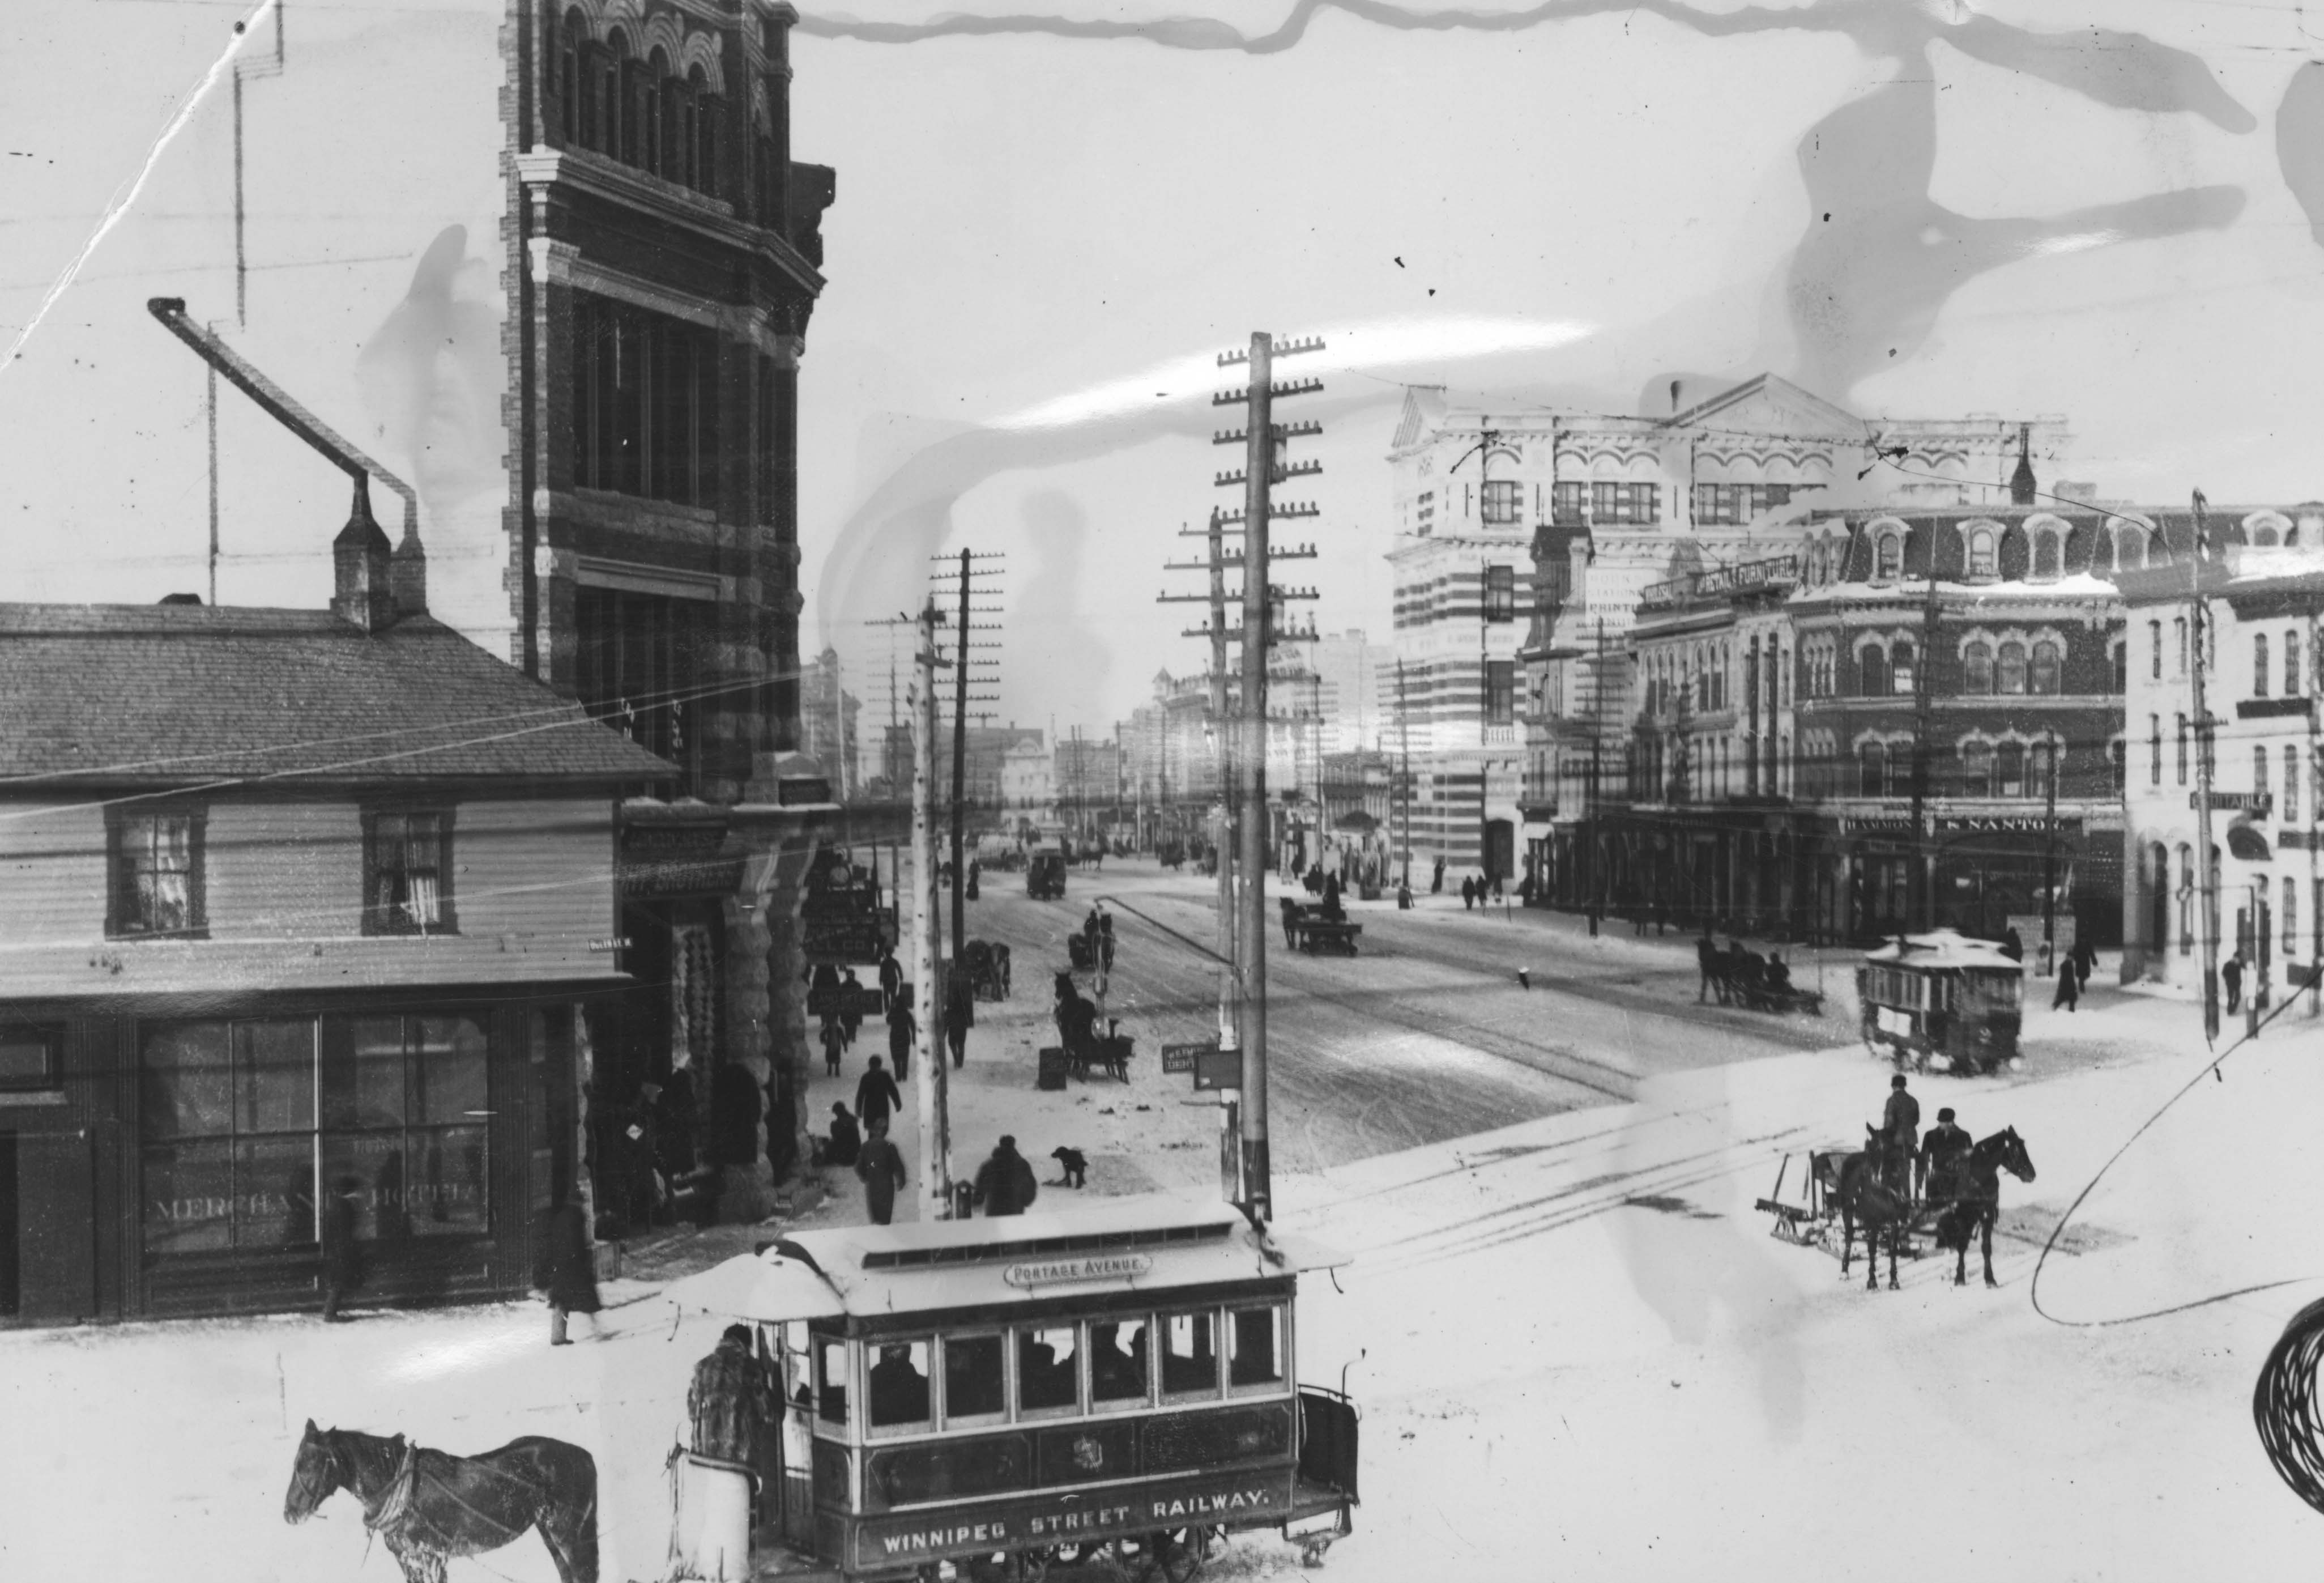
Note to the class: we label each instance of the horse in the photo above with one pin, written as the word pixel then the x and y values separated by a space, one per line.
pixel 1976 1202
pixel 429 1505
pixel 1863 1185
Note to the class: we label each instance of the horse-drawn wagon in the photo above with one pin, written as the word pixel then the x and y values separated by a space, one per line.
pixel 1874 1191
pixel 1111 1387
pixel 987 965
pixel 1942 1000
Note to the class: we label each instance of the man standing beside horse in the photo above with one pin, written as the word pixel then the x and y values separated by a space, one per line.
pixel 1940 1159
pixel 1901 1124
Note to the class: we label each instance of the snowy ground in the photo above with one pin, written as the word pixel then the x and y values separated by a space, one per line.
pixel 1579 1353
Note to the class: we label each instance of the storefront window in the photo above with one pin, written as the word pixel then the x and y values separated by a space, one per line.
pixel 238 1116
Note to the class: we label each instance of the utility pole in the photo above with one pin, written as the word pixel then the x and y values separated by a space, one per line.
pixel 1261 459
pixel 1920 903
pixel 966 577
pixel 2050 852
pixel 1403 769
pixel 2206 861
pixel 936 1141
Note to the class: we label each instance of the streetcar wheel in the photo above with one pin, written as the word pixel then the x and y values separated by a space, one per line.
pixel 1176 1556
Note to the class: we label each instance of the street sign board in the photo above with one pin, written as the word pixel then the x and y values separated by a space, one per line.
pixel 1218 1069
pixel 1181 1058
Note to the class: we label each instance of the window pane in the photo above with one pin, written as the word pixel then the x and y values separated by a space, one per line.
pixel 188 1085
pixel 274 1076
pixel 448 1073
pixel 1118 1361
pixel 831 1380
pixel 972 1377
pixel 274 1191
pixel 1190 1362
pixel 899 1384
pixel 447 1193
pixel 188 1197
pixel 368 1169
pixel 363 1071
pixel 1047 1369
pixel 28 1057
pixel 2013 667
pixel 1255 1347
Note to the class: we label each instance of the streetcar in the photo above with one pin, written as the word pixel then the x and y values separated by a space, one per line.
pixel 1942 1000
pixel 1113 1387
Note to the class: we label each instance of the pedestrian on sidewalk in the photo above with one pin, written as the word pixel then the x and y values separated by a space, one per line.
pixel 1005 1183
pixel 834 1043
pixel 2068 990
pixel 891 978
pixel 876 1094
pixel 881 1169
pixel 1436 884
pixel 1706 961
pixel 1468 893
pixel 902 1029
pixel 2086 960
pixel 342 1256
pixel 846 1142
pixel 960 1017
pixel 2232 975
pixel 568 1275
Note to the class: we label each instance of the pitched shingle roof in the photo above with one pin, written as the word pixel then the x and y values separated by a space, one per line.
pixel 181 694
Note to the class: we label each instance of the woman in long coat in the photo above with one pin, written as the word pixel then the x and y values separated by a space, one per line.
pixel 567 1273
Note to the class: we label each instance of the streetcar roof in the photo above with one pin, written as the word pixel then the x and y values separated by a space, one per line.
pixel 1151 1242
pixel 1944 947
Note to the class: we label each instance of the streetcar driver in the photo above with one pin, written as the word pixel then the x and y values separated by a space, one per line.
pixel 899 1390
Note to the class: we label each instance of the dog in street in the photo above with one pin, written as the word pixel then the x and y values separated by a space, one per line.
pixel 1076 1165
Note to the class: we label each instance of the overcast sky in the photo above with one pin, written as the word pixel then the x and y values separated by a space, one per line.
pixel 1047 227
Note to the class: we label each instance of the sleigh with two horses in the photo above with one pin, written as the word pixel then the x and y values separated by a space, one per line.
pixel 1870 1193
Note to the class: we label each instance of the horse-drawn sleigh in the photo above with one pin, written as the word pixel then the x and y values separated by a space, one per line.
pixel 1745 978
pixel 1873 1189
pixel 1310 929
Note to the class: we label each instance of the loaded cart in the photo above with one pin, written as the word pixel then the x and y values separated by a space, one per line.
pixel 1099 1391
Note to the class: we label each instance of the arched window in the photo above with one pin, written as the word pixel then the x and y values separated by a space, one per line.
pixel 610 98
pixel 2291 813
pixel 2046 554
pixel 2118 654
pixel 1977 768
pixel 2291 664
pixel 653 114
pixel 1888 563
pixel 1976 667
pixel 2041 760
pixel 2130 550
pixel 2045 667
pixel 1872 770
pixel 2009 770
pixel 2263 535
pixel 2259 772
pixel 2259 664
pixel 709 139
pixel 1872 671
pixel 2012 674
pixel 572 41
pixel 1900 669
pixel 1982 563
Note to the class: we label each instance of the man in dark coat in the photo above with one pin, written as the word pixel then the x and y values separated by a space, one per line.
pixel 1940 1155
pixel 881 1169
pixel 1005 1183
pixel 1332 910
pixel 960 1017
pixel 2231 974
pixel 876 1094
pixel 834 1045
pixel 342 1256
pixel 1076 1028
pixel 892 977
pixel 846 1138
pixel 902 1029
pixel 567 1273
pixel 1467 893
pixel 1901 1121
pixel 1437 881
pixel 2070 987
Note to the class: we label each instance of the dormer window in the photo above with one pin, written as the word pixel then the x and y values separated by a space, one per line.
pixel 1888 558
pixel 2047 555
pixel 1983 562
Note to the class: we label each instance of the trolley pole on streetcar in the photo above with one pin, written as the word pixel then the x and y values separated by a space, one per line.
pixel 929 1086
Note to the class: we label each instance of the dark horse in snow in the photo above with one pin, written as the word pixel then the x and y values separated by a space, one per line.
pixel 1868 1187
pixel 429 1505
pixel 1975 1198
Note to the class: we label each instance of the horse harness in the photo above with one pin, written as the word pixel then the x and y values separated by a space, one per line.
pixel 401 1523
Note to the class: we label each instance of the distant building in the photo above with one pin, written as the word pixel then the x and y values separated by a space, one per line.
pixel 1027 781
pixel 827 723
pixel 1086 780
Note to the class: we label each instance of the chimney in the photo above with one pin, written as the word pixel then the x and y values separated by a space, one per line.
pixel 407 568
pixel 1674 383
pixel 2020 482
pixel 359 567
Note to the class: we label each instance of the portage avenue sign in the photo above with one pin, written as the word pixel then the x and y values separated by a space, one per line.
pixel 1066 1272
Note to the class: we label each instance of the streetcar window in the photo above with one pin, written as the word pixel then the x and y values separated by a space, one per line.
pixel 798 1372
pixel 1255 1347
pixel 972 1370
pixel 1190 1357
pixel 1116 1352
pixel 831 1379
pixel 898 1385
pixel 1048 1370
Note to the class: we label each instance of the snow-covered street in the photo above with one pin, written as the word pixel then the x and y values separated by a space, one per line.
pixel 1578 1351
